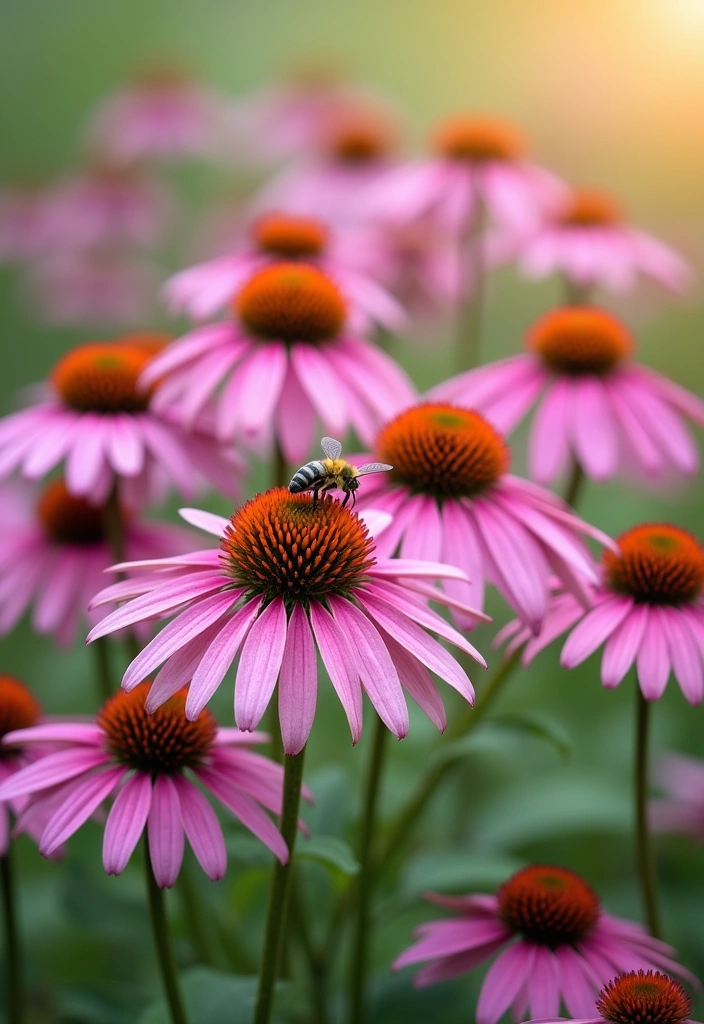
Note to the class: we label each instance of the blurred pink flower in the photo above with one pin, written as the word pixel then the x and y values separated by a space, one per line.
pixel 19 709
pixel 28 222
pixel 207 288
pixel 587 238
pixel 607 412
pixel 162 115
pixel 648 611
pixel 93 418
pixel 54 558
pixel 479 164
pixel 453 500
pixel 153 759
pixel 567 947
pixel 288 356
pixel 682 809
pixel 288 578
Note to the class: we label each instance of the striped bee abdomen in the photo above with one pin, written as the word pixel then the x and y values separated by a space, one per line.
pixel 306 476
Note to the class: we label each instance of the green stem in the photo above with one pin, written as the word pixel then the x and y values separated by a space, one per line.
pixel 315 959
pixel 103 671
pixel 280 888
pixel 365 878
pixel 575 484
pixel 13 962
pixel 199 919
pixel 162 942
pixel 470 312
pixel 644 852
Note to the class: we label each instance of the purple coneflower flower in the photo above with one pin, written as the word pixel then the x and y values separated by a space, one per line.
pixel 287 357
pixel 567 947
pixel 597 405
pixel 648 611
pixel 682 809
pixel 152 762
pixel 28 222
pixel 289 577
pixel 19 709
pixel 95 419
pixel 453 500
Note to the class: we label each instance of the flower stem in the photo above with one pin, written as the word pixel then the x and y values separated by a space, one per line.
pixel 162 942
pixel 470 311
pixel 280 889
pixel 13 962
pixel 198 916
pixel 644 852
pixel 574 484
pixel 103 671
pixel 366 876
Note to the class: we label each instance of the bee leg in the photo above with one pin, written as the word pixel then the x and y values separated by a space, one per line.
pixel 347 498
pixel 354 498
pixel 315 494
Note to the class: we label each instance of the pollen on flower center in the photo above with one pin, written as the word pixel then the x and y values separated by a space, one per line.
pixel 587 208
pixel 18 708
pixel 657 564
pixel 66 519
pixel 548 904
pixel 280 545
pixel 162 742
pixel 478 138
pixel 288 237
pixel 580 340
pixel 443 450
pixel 291 302
pixel 644 997
pixel 103 377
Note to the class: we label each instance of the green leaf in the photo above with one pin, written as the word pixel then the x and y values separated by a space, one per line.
pixel 211 997
pixel 330 851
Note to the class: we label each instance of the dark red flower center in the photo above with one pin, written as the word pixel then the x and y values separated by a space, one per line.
pixel 69 520
pixel 478 139
pixel 19 709
pixel 644 997
pixel 443 450
pixel 103 377
pixel 580 340
pixel 289 237
pixel 657 564
pixel 291 302
pixel 162 742
pixel 587 208
pixel 280 545
pixel 549 905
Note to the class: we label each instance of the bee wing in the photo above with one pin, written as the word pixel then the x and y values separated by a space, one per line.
pixel 373 467
pixel 331 447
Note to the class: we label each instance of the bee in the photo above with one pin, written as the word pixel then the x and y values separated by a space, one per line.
pixel 332 473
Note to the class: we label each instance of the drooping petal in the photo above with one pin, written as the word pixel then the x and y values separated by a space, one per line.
pixel 202 828
pixel 298 683
pixel 259 665
pixel 340 664
pixel 165 832
pixel 248 812
pixel 126 821
pixel 503 981
pixel 596 627
pixel 85 798
pixel 653 661
pixel 218 657
pixel 51 770
pixel 622 646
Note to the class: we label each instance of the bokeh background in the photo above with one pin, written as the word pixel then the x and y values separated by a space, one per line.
pixel 611 92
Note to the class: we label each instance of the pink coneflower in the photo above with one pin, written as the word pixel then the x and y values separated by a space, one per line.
pixel 28 222
pixel 94 419
pixel 598 406
pixel 207 288
pixel 287 357
pixel 289 577
pixel 19 709
pixel 153 760
pixel 567 947
pixel 453 500
pixel 479 162
pixel 588 239
pixel 52 560
pixel 648 611
pixel 162 115
pixel 682 809
pixel 636 997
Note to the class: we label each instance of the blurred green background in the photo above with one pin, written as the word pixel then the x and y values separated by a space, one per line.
pixel 611 93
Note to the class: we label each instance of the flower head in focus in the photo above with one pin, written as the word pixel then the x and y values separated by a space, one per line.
pixel 153 764
pixel 648 611
pixel 555 943
pixel 288 356
pixel 290 578
pixel 596 404
pixel 453 500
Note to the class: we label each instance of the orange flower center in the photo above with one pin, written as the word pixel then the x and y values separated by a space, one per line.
pixel 580 340
pixel 360 138
pixel 66 519
pixel 280 545
pixel 291 302
pixel 587 208
pixel 549 905
pixel 478 138
pixel 162 742
pixel 644 997
pixel 103 377
pixel 290 238
pixel 657 564
pixel 19 709
pixel 150 341
pixel 442 450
